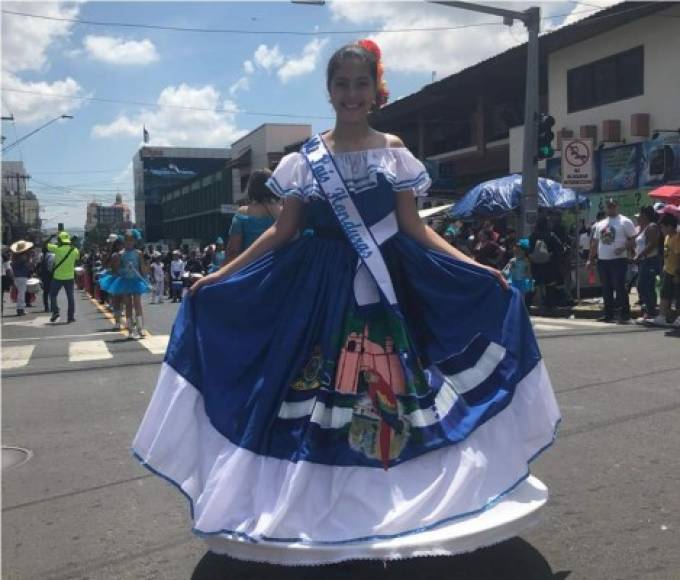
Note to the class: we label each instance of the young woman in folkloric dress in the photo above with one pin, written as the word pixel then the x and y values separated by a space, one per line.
pixel 299 403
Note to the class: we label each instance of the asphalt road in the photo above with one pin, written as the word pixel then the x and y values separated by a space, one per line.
pixel 81 507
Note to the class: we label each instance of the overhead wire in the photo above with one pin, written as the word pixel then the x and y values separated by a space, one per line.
pixel 265 32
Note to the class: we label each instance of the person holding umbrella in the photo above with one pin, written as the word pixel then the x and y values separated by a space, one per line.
pixel 22 269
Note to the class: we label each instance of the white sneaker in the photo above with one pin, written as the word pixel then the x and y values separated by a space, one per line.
pixel 660 320
pixel 676 324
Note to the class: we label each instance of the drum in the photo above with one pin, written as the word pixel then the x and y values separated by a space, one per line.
pixel 33 285
pixel 78 270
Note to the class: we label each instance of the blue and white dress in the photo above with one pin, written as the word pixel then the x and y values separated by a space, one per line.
pixel 294 405
pixel 128 279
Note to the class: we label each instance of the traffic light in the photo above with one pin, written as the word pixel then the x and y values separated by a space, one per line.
pixel 545 136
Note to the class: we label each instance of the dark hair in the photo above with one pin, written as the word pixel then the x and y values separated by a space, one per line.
pixel 257 189
pixel 357 51
pixel 117 245
pixel 351 51
pixel 649 213
pixel 669 220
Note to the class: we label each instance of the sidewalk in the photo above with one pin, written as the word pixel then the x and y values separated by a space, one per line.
pixel 587 308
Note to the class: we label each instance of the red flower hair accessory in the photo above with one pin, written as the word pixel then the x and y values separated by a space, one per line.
pixel 382 92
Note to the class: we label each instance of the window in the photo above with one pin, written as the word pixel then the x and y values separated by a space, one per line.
pixel 610 79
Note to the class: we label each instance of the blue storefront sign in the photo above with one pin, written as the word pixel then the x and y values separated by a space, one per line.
pixel 619 168
pixel 659 161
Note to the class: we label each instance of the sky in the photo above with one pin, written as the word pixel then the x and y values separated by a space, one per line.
pixel 205 88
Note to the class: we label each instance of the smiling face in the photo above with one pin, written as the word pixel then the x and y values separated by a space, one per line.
pixel 352 90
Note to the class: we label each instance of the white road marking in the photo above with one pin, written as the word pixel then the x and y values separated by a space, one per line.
pixel 60 336
pixel 156 344
pixel 38 322
pixel 85 350
pixel 568 322
pixel 15 357
pixel 549 327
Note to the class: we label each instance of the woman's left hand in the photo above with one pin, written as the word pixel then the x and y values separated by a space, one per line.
pixel 499 276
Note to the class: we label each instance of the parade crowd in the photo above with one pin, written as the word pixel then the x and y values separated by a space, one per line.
pixel 644 254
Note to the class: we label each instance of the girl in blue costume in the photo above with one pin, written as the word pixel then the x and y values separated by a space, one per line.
pixel 129 269
pixel 108 277
pixel 365 381
pixel 253 219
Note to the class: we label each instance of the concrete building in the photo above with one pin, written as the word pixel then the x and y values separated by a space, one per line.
pixel 20 206
pixel 116 216
pixel 158 169
pixel 611 75
pixel 263 148
pixel 199 211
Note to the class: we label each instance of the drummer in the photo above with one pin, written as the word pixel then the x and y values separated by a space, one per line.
pixel 176 276
pixel 22 268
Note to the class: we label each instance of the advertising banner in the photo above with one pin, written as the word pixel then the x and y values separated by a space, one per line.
pixel 660 160
pixel 619 168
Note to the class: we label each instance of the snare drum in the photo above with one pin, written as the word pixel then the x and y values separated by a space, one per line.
pixel 33 285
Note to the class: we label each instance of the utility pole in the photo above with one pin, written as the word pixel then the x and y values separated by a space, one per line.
pixel 532 21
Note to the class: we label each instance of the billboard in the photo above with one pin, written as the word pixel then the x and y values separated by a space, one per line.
pixel 619 168
pixel 660 160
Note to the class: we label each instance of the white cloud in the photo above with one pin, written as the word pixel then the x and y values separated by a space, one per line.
pixel 25 46
pixel 305 63
pixel 249 67
pixel 243 84
pixel 444 51
pixel 25 41
pixel 120 51
pixel 268 58
pixel 29 108
pixel 175 126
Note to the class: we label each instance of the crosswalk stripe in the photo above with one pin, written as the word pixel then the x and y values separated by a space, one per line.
pixel 567 322
pixel 14 357
pixel 539 326
pixel 156 344
pixel 86 350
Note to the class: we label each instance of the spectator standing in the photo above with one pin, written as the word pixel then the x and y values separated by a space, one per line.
pixel 612 242
pixel 6 274
pixel 44 272
pixel 648 247
pixel 63 274
pixel 670 278
pixel 545 254
pixel 157 280
pixel 21 269
pixel 176 274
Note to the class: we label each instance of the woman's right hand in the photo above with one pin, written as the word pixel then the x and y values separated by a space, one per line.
pixel 205 281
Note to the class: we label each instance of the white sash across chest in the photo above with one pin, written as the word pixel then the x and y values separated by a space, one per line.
pixel 372 277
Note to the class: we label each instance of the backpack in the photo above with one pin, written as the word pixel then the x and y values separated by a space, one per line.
pixel 541 254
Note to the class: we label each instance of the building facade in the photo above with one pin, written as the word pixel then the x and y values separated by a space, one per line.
pixel 609 76
pixel 158 169
pixel 263 148
pixel 20 206
pixel 114 217
pixel 198 211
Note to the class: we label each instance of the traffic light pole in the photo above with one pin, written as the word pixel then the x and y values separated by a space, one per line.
pixel 532 20
pixel 529 199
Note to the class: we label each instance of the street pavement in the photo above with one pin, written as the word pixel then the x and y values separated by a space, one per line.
pixel 81 507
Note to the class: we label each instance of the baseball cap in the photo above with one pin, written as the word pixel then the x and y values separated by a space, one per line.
pixel 64 238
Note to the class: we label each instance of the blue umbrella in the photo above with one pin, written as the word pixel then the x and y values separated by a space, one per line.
pixel 498 196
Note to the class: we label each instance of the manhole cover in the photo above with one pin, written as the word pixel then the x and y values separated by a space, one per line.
pixel 14 456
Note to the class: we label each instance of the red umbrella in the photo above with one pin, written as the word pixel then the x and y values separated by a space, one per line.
pixel 667 194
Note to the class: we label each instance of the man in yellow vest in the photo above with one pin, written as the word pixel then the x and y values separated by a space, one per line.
pixel 63 274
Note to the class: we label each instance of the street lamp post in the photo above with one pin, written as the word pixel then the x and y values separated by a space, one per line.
pixel 20 139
